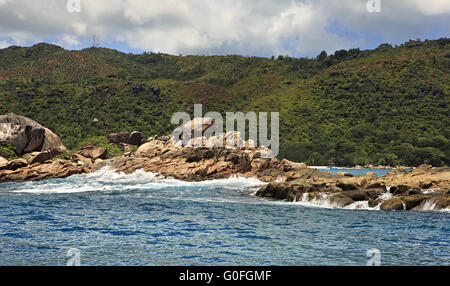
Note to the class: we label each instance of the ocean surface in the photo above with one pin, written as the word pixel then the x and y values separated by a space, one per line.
pixel 356 172
pixel 107 218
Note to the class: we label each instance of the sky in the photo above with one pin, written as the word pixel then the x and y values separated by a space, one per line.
pixel 298 28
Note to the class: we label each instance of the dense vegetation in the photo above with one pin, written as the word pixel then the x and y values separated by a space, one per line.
pixel 386 106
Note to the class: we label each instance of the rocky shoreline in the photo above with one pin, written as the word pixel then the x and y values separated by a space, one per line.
pixel 423 188
pixel 159 155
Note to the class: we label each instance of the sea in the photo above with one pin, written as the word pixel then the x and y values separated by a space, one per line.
pixel 108 218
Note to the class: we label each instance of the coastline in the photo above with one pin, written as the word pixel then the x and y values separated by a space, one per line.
pixel 201 159
pixel 423 188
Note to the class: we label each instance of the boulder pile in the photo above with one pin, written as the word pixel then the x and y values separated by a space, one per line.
pixel 423 188
pixel 126 141
pixel 206 157
pixel 29 139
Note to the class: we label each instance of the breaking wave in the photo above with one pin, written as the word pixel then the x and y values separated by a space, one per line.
pixel 235 189
pixel 324 201
pixel 106 179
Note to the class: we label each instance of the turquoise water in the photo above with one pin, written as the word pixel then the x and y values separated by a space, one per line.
pixel 357 172
pixel 144 219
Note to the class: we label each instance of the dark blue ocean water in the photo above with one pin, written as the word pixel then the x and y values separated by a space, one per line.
pixel 142 219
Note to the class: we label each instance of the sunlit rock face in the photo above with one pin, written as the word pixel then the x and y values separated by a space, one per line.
pixel 200 132
pixel 28 136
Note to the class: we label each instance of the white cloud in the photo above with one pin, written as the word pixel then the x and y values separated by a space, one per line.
pixel 258 27
pixel 431 7
pixel 68 41
pixel 4 44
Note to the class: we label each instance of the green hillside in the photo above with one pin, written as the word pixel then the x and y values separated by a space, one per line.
pixel 385 106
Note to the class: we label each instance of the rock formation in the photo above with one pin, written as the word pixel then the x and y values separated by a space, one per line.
pixel 125 140
pixel 204 158
pixel 423 188
pixel 28 136
pixel 3 163
pixel 160 155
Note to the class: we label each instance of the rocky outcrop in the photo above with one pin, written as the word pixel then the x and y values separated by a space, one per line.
pixel 39 168
pixel 125 140
pixel 28 136
pixel 3 163
pixel 93 152
pixel 194 133
pixel 119 137
pixel 16 164
pixel 187 163
pixel 35 139
pixel 424 188
pixel 135 138
pixel 16 135
pixel 394 204
pixel 49 170
pixel 398 190
pixel 39 157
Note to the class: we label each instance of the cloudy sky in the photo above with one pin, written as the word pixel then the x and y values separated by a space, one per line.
pixel 218 27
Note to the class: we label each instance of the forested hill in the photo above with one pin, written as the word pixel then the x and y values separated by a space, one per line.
pixel 386 106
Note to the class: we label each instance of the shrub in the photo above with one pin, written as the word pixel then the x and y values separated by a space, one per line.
pixel 7 151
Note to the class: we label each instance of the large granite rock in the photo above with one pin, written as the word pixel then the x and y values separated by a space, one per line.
pixel 340 190
pixel 28 136
pixel 39 157
pixel 120 138
pixel 17 164
pixel 36 138
pixel 93 152
pixel 3 163
pixel 136 138
pixel 16 135
pixel 424 188
pixel 195 128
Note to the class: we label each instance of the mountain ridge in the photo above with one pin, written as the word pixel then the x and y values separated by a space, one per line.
pixel 384 106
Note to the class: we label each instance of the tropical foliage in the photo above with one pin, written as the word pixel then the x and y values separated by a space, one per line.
pixel 386 106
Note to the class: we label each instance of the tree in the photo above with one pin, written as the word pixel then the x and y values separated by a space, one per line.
pixel 322 56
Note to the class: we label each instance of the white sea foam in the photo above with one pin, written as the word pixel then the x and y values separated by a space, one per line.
pixel 429 205
pixel 361 205
pixel 142 177
pixel 385 196
pixel 324 201
pixel 321 200
pixel 106 179
pixel 319 167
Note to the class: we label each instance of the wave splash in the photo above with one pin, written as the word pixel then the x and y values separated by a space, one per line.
pixel 106 179
pixel 324 201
